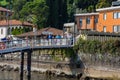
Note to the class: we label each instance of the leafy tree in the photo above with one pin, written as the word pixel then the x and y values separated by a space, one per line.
pixel 104 3
pixel 52 13
pixel 3 3
pixel 36 12
pixel 17 7
pixel 71 9
pixel 57 13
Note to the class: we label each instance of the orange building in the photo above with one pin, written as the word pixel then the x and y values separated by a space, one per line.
pixel 105 20
pixel 87 21
pixel 109 19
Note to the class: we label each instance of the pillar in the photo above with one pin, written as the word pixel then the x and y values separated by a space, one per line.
pixel 22 66
pixel 29 52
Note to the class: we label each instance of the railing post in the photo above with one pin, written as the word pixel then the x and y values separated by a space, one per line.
pixel 22 66
pixel 29 52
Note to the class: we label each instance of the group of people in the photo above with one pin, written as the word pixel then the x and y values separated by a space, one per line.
pixel 58 38
pixel 50 36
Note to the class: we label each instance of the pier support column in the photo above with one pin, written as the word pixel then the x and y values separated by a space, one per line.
pixel 22 66
pixel 29 64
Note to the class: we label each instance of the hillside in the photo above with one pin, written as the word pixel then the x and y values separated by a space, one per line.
pixel 54 13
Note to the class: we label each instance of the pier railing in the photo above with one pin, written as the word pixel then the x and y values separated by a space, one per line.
pixel 34 43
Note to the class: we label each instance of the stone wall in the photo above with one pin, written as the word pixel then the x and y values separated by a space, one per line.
pixel 100 65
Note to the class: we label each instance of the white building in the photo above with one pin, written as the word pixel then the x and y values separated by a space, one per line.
pixel 7 26
pixel 70 27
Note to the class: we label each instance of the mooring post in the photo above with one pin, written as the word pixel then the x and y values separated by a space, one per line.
pixel 22 66
pixel 29 64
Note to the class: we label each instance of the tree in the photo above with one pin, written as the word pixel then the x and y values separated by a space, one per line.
pixel 36 12
pixel 71 9
pixel 17 7
pixel 104 3
pixel 57 13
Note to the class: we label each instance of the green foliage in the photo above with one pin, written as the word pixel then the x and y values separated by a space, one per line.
pixel 17 31
pixel 71 9
pixel 67 52
pixel 4 3
pixel 17 7
pixel 57 13
pixel 103 3
pixel 95 46
pixel 54 13
pixel 36 12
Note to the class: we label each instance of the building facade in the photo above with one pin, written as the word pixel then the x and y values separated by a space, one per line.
pixel 87 21
pixel 4 13
pixel 109 19
pixel 104 20
pixel 7 26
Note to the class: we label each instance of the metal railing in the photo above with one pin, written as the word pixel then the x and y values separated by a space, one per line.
pixel 34 43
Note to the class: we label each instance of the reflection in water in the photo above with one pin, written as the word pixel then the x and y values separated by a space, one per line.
pixel 11 75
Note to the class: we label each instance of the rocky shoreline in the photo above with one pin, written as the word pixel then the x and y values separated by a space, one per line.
pixel 48 71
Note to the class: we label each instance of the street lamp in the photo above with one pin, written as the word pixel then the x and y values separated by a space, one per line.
pixel 35 34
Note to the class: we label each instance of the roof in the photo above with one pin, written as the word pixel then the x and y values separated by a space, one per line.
pixel 14 23
pixel 86 14
pixel 47 30
pixel 4 9
pixel 109 8
pixel 68 24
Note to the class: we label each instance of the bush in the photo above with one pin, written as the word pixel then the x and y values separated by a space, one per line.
pixel 95 46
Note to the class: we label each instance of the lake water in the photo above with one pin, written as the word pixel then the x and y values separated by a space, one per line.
pixel 10 75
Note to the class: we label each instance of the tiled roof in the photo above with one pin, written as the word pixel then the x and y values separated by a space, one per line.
pixel 54 31
pixel 14 23
pixel 4 9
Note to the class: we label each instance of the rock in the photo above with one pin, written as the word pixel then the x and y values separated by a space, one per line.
pixel 62 74
pixel 9 68
pixel 79 76
pixel 48 72
pixel 16 69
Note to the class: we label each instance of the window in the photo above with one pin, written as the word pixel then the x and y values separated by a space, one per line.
pixel 104 29
pixel 88 20
pixel 115 15
pixel 105 16
pixel 1 31
pixel 96 20
pixel 118 14
pixel 116 28
pixel 80 21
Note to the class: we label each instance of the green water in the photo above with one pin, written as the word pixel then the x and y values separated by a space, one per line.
pixel 11 75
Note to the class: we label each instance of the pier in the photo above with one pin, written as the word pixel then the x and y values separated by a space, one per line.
pixel 27 45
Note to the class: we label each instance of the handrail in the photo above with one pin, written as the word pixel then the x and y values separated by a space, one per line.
pixel 34 43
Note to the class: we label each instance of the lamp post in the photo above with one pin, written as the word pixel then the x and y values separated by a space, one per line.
pixel 10 7
pixel 74 35
pixel 35 30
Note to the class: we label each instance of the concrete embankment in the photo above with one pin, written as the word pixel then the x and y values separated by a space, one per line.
pixel 101 66
pixel 87 65
pixel 63 69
